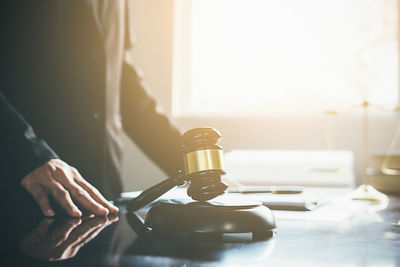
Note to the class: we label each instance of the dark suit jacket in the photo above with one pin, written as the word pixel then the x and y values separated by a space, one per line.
pixel 53 101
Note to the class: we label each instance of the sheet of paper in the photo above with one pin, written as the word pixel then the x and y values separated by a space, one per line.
pixel 335 206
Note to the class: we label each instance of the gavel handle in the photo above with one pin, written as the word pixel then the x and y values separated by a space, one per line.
pixel 151 194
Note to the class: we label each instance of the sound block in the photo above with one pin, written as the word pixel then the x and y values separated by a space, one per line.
pixel 173 216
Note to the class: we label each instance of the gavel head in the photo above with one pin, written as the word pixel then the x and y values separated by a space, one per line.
pixel 203 163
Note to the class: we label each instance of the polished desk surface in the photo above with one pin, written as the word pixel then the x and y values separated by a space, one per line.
pixel 370 236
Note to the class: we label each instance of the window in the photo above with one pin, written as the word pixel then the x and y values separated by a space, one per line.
pixel 247 57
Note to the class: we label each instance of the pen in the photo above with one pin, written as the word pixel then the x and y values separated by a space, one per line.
pixel 267 189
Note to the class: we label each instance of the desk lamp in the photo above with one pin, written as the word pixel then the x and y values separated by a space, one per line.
pixel 203 160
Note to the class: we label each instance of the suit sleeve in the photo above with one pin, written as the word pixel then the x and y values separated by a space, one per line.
pixel 21 151
pixel 146 125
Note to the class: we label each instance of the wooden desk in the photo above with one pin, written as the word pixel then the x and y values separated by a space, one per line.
pixel 363 239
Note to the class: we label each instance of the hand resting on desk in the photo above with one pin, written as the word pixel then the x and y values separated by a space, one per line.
pixel 67 187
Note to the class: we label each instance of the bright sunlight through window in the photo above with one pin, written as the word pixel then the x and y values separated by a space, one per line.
pixel 260 57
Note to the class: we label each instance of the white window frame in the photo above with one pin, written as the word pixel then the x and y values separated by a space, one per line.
pixel 269 131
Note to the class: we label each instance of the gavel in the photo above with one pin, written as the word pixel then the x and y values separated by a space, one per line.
pixel 203 161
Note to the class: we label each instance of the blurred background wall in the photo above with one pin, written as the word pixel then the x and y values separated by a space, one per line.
pixel 152 22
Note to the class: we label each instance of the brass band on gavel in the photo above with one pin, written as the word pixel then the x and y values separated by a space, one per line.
pixel 202 160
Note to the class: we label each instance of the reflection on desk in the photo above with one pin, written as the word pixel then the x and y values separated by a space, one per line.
pixel 61 240
pixel 363 238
